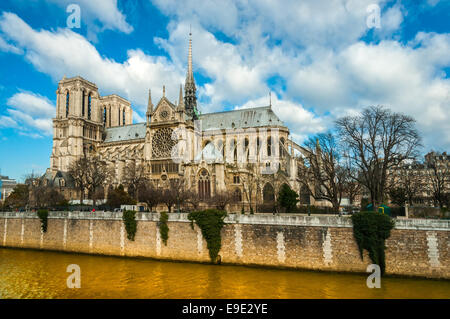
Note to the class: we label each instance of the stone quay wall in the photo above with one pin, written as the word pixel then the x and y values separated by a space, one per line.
pixel 417 247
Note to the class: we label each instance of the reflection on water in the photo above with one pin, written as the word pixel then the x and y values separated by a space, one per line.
pixel 38 274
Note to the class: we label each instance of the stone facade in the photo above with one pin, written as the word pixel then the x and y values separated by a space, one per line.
pixel 417 247
pixel 225 151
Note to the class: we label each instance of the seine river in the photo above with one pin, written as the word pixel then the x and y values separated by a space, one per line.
pixel 38 274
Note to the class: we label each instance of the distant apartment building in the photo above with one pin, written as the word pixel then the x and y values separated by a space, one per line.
pixel 420 179
pixel 6 186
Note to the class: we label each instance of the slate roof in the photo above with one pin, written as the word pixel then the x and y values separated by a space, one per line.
pixel 243 118
pixel 125 133
pixel 55 181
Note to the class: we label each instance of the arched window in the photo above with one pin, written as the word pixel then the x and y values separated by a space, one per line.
pixel 123 117
pixel 235 146
pixel 258 144
pixel 204 185
pixel 237 195
pixel 83 104
pixel 89 106
pixel 104 116
pixel 67 103
pixel 118 118
pixel 269 146
pixel 246 150
pixel 268 193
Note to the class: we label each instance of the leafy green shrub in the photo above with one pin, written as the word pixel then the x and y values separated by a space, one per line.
pixel 43 216
pixel 210 222
pixel 129 219
pixel 163 228
pixel 370 230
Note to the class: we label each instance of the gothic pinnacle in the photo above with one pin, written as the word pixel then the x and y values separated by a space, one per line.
pixel 150 104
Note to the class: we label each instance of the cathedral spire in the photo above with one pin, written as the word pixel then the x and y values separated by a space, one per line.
pixel 190 98
pixel 190 74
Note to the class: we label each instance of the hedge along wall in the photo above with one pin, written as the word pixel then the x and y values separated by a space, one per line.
pixel 416 247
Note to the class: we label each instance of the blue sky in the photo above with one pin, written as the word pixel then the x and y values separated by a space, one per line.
pixel 320 59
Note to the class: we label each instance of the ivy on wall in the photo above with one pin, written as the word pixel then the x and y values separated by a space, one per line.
pixel 370 230
pixel 163 227
pixel 43 216
pixel 129 219
pixel 211 222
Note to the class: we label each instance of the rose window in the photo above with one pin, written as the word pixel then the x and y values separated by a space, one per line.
pixel 162 143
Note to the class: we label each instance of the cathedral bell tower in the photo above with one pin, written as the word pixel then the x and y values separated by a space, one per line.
pixel 78 125
pixel 190 98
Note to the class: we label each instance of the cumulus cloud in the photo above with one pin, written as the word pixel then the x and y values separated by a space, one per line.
pixel 300 121
pixel 402 77
pixel 313 47
pixel 31 114
pixel 63 52
pixel 99 15
pixel 233 76
pixel 6 47
pixel 310 22
pixel 7 122
pixel 33 104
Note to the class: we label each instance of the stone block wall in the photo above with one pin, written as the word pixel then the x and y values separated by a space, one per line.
pixel 416 247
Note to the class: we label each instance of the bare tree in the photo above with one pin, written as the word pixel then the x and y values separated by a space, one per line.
pixel 250 184
pixel 322 173
pixel 134 175
pixel 221 199
pixel 174 194
pixel 91 174
pixel 438 175
pixel 193 199
pixel 97 177
pixel 78 170
pixel 376 141
pixel 149 194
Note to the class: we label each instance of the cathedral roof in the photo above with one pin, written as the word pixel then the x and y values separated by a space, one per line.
pixel 125 133
pixel 243 118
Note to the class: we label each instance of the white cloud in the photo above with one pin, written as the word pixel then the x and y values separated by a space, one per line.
pixel 6 47
pixel 313 47
pixel 31 114
pixel 308 22
pixel 300 121
pixel 32 104
pixel 99 15
pixel 7 122
pixel 63 52
pixel 404 78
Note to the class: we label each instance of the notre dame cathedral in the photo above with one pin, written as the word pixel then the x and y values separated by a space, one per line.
pixel 244 152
